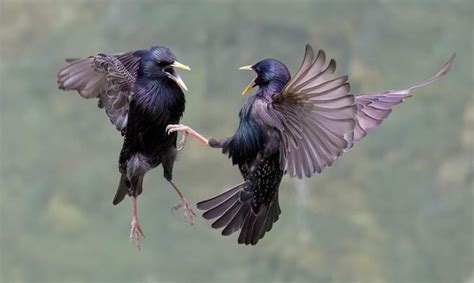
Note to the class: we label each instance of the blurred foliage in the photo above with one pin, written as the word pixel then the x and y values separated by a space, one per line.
pixel 398 208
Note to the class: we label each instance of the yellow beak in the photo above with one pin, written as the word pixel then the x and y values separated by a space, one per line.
pixel 180 82
pixel 251 84
pixel 179 65
pixel 176 77
pixel 248 87
pixel 246 68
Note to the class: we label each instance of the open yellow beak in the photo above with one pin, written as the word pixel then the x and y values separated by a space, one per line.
pixel 179 65
pixel 180 82
pixel 252 83
pixel 176 77
pixel 248 87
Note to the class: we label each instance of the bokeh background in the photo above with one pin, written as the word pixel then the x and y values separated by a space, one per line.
pixel 397 208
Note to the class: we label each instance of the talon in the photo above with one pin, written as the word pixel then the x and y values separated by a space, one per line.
pixel 169 128
pixel 188 212
pixel 182 141
pixel 136 233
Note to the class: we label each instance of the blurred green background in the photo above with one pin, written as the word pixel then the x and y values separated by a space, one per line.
pixel 397 208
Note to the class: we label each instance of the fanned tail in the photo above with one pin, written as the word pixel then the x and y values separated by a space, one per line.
pixel 234 210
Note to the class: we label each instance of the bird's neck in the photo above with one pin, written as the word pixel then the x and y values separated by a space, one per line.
pixel 271 88
pixel 149 70
pixel 159 96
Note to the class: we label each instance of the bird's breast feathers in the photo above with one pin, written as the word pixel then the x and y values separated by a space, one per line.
pixel 255 129
pixel 160 99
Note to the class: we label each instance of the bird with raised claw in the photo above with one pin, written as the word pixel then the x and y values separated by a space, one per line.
pixel 141 93
pixel 296 125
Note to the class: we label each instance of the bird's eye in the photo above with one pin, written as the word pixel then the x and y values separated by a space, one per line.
pixel 164 65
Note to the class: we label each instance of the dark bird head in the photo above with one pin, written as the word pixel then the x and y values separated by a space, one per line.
pixel 160 61
pixel 272 76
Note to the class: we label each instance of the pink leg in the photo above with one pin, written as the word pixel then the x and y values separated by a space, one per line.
pixel 186 131
pixel 135 231
pixel 189 214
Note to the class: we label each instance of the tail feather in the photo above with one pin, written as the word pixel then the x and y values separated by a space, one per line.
pixel 263 224
pixel 245 236
pixel 237 220
pixel 212 202
pixel 222 208
pixel 274 212
pixel 126 187
pixel 233 210
pixel 122 190
pixel 270 215
pixel 227 216
pixel 259 227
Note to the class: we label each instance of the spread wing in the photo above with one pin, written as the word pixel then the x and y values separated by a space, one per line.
pixel 316 113
pixel 373 108
pixel 107 77
pixel 319 119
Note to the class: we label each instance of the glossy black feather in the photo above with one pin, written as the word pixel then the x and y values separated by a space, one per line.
pixel 244 145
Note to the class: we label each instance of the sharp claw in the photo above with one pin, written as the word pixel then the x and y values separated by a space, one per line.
pixel 182 141
pixel 188 212
pixel 136 233
pixel 169 128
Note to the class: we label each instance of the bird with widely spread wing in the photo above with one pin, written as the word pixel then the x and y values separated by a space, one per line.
pixel 141 93
pixel 292 125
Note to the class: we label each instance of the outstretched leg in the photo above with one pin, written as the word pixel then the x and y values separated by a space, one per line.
pixel 168 162
pixel 135 231
pixel 186 131
pixel 136 168
pixel 189 214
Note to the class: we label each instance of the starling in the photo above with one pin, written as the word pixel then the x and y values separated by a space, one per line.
pixel 141 93
pixel 292 125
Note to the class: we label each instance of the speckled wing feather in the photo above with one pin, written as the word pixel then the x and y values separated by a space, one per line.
pixel 107 77
pixel 316 113
pixel 118 89
pixel 373 108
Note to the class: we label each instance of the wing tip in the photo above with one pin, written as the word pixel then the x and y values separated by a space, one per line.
pixel 436 76
pixel 448 64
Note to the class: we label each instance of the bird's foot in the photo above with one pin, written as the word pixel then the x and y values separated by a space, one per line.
pixel 176 128
pixel 188 212
pixel 179 128
pixel 182 141
pixel 186 131
pixel 136 233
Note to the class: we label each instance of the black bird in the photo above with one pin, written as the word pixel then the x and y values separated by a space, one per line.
pixel 141 93
pixel 293 125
